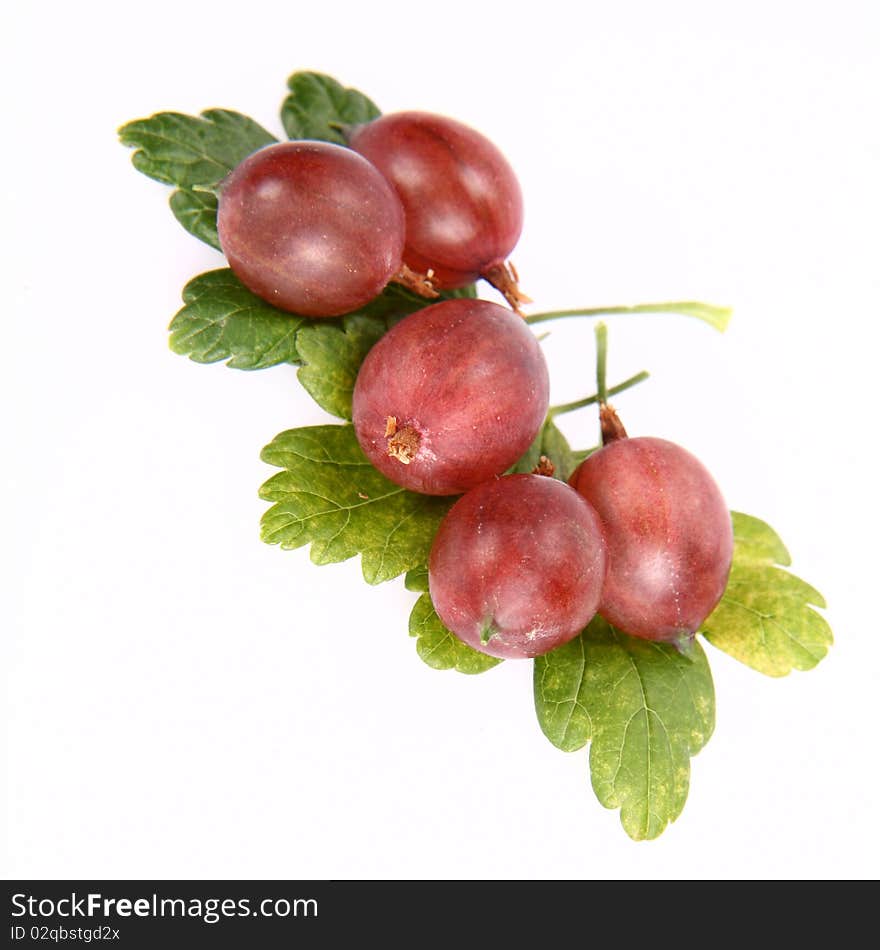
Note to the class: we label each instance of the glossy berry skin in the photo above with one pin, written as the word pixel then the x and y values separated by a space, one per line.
pixel 464 210
pixel 451 396
pixel 517 566
pixel 669 536
pixel 311 227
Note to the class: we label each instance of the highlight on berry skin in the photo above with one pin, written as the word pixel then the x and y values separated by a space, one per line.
pixel 311 227
pixel 669 536
pixel 517 566
pixel 461 198
pixel 451 396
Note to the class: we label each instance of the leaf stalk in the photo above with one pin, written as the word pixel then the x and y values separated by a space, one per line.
pixel 592 400
pixel 717 317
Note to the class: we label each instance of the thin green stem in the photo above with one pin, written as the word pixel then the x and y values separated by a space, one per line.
pixel 717 317
pixel 592 400
pixel 601 360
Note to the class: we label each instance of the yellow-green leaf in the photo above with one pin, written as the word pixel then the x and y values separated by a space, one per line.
pixel 329 496
pixel 439 647
pixel 766 618
pixel 644 707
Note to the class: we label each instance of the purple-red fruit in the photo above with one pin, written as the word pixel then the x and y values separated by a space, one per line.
pixel 668 532
pixel 517 566
pixel 463 204
pixel 451 396
pixel 311 227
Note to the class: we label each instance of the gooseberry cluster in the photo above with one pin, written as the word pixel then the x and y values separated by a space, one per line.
pixel 449 399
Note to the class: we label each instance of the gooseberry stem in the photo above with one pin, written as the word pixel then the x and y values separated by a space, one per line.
pixel 717 317
pixel 601 360
pixel 610 426
pixel 592 400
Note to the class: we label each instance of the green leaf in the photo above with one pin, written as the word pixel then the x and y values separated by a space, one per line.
pixel 416 579
pixel 557 449
pixel 551 443
pixel 317 104
pixel 197 212
pixel 644 707
pixel 190 150
pixel 332 355
pixel 468 292
pixel 332 351
pixel 396 302
pixel 328 495
pixel 765 618
pixel 439 647
pixel 196 153
pixel 530 460
pixel 222 320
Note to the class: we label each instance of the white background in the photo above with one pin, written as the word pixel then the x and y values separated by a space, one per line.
pixel 184 701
